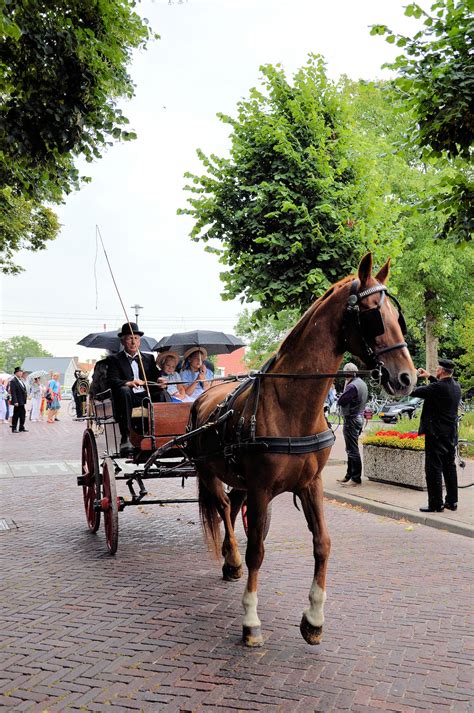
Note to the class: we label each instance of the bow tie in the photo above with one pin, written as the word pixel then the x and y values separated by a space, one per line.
pixel 132 358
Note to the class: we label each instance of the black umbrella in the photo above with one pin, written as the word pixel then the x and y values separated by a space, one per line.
pixel 110 341
pixel 213 342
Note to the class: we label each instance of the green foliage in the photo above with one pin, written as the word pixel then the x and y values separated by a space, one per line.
pixel 13 351
pixel 436 82
pixel 63 70
pixel 466 342
pixel 435 75
pixel 292 206
pixel 264 335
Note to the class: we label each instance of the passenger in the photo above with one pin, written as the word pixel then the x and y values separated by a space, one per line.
pixel 196 376
pixel 167 362
pixel 126 379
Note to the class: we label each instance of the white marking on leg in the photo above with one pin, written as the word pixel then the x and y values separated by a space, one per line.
pixel 315 613
pixel 250 601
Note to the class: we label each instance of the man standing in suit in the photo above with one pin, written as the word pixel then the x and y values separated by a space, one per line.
pixel 439 421
pixel 18 397
pixel 126 379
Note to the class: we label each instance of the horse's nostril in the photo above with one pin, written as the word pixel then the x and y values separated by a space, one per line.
pixel 405 378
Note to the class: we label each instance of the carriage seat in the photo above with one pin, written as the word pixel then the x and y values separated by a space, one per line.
pixel 169 420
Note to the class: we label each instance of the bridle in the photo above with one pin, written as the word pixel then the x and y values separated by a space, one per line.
pixel 368 324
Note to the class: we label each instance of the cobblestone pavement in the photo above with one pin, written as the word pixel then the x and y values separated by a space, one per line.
pixel 156 628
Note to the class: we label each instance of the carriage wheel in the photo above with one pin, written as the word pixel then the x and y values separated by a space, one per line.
pixel 90 471
pixel 109 505
pixel 267 522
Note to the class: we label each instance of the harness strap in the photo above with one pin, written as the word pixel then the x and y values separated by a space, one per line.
pixel 289 445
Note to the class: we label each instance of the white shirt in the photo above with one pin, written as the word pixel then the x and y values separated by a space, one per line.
pixel 136 371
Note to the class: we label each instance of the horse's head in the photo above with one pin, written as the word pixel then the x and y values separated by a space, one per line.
pixel 375 329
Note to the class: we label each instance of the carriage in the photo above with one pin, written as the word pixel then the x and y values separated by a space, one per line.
pixel 158 429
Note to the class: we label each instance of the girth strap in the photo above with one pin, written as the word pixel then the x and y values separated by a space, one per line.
pixel 290 445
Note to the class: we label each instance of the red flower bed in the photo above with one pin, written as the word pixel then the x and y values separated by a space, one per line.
pixel 397 434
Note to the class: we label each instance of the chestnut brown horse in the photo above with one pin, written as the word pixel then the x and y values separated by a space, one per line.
pixel 276 438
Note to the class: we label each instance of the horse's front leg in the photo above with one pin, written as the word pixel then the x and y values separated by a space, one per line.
pixel 257 504
pixel 311 626
pixel 232 568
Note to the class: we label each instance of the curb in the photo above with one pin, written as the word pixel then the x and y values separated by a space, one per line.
pixel 400 514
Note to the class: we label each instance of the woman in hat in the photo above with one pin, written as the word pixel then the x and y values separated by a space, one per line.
pixel 167 362
pixel 36 393
pixel 196 376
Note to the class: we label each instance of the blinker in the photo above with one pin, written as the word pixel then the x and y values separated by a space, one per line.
pixel 371 322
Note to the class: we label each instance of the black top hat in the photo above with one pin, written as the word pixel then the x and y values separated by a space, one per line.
pixel 446 364
pixel 125 331
pixel 16 369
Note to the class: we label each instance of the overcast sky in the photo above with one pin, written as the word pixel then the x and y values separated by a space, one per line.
pixel 207 59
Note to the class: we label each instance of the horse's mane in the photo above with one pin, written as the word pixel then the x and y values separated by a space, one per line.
pixel 300 326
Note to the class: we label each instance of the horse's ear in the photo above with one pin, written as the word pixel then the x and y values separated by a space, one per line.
pixel 382 274
pixel 365 268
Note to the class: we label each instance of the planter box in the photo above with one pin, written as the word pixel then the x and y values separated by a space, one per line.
pixel 396 466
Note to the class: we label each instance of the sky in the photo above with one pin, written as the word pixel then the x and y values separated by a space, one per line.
pixel 207 59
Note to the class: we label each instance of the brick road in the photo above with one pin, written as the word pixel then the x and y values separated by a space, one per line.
pixel 156 629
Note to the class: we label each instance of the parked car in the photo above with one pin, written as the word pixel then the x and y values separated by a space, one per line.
pixel 391 412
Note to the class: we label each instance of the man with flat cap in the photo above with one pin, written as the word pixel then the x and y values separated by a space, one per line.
pixel 126 379
pixel 439 423
pixel 352 404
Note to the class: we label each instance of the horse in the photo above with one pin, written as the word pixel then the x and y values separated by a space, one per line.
pixel 273 437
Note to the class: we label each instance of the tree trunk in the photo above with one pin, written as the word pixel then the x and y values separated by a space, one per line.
pixel 431 338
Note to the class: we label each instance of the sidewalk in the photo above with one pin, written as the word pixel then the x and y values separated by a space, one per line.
pixel 403 503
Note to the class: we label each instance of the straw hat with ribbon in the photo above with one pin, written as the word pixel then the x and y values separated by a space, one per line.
pixel 161 358
pixel 191 351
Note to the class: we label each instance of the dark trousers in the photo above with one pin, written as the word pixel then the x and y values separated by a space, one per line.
pixel 125 399
pixel 19 415
pixel 351 431
pixel 80 405
pixel 440 463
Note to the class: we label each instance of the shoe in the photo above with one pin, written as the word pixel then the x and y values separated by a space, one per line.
pixel 343 480
pixel 56 419
pixel 14 430
pixel 428 509
pixel 23 430
pixel 352 482
pixel 126 447
pixel 448 506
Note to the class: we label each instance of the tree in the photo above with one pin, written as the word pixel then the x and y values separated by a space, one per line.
pixel 466 342
pixel 64 69
pixel 15 350
pixel 436 82
pixel 263 336
pixel 293 205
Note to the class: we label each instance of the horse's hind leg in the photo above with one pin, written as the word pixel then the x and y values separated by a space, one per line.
pixel 232 568
pixel 311 626
pixel 257 504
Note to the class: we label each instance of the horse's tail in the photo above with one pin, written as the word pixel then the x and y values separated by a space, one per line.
pixel 210 518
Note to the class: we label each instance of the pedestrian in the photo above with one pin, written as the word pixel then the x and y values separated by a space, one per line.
pixel 53 398
pixel 439 424
pixel 352 404
pixel 4 396
pixel 18 397
pixel 36 396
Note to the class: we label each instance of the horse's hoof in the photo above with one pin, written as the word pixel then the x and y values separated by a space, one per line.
pixel 230 573
pixel 252 636
pixel 311 634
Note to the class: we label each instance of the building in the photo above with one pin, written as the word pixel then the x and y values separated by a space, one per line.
pixel 64 366
pixel 233 363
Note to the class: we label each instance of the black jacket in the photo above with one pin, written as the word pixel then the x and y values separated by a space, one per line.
pixel 120 370
pixel 17 392
pixel 440 407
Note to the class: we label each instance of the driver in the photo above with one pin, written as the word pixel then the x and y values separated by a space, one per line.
pixel 127 381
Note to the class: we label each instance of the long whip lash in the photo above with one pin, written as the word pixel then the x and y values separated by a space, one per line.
pixel 123 307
